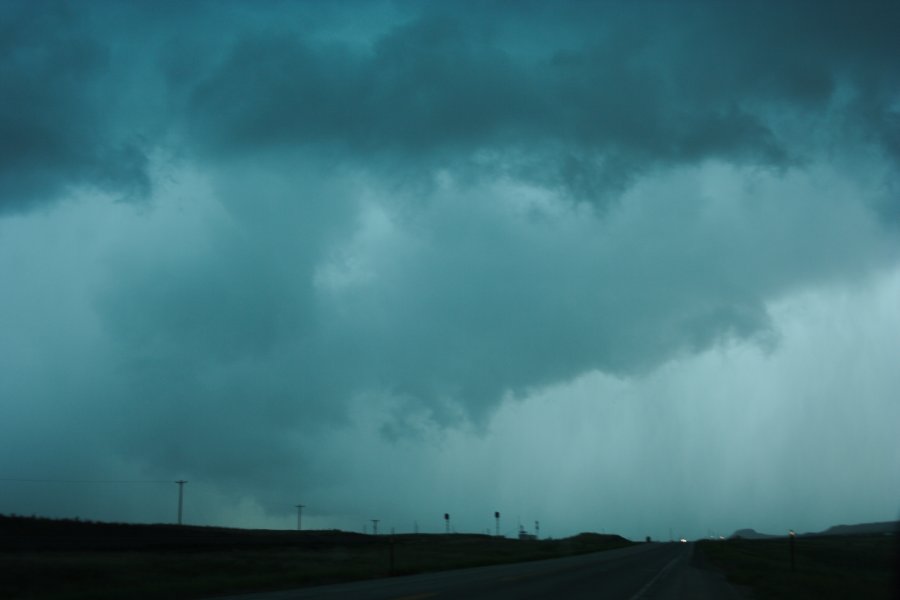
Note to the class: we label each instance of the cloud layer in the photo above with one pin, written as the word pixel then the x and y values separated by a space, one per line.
pixel 423 210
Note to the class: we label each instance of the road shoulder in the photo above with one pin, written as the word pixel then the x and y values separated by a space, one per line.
pixel 695 578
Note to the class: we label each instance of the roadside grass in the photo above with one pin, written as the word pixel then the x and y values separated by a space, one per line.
pixel 203 572
pixel 827 567
pixel 173 574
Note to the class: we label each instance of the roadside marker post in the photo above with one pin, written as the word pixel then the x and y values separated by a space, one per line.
pixel 791 537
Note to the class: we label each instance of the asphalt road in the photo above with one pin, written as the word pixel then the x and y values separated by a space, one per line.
pixel 651 571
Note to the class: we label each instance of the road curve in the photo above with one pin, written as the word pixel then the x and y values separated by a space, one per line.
pixel 645 571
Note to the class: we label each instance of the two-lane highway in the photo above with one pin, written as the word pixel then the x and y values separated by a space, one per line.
pixel 651 571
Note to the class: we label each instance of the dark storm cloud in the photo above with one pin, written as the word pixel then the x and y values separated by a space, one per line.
pixel 613 92
pixel 595 98
pixel 581 95
pixel 425 88
pixel 583 100
pixel 56 130
pixel 439 90
pixel 428 206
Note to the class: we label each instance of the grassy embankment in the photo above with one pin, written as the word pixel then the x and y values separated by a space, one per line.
pixel 852 566
pixel 40 558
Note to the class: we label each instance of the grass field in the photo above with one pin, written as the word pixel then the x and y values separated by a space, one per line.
pixel 44 559
pixel 826 567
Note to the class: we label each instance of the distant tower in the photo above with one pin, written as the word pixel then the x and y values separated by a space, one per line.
pixel 497 522
pixel 537 529
pixel 447 522
pixel 375 526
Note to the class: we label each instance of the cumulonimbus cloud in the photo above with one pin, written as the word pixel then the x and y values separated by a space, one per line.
pixel 444 208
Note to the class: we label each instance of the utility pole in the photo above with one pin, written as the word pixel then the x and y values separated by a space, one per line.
pixel 537 529
pixel 497 522
pixel 375 526
pixel 447 522
pixel 180 483
pixel 300 516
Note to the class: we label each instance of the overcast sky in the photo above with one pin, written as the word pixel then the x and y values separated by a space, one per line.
pixel 623 267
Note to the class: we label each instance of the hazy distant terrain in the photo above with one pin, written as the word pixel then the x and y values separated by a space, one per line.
pixel 862 528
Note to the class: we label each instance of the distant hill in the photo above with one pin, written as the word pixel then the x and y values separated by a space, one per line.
pixel 750 534
pixel 860 529
pixel 863 528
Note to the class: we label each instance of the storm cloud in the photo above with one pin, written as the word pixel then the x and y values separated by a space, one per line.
pixel 394 225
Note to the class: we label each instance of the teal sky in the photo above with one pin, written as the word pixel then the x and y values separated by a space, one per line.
pixel 613 266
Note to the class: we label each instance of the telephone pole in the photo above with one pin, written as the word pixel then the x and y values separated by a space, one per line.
pixel 300 516
pixel 180 483
pixel 375 526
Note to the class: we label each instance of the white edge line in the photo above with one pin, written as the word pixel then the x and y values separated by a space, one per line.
pixel 656 577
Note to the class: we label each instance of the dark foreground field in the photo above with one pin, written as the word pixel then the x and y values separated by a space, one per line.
pixel 43 558
pixel 848 566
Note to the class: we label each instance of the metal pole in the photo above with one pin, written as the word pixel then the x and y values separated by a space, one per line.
pixel 391 547
pixel 180 483
pixel 300 516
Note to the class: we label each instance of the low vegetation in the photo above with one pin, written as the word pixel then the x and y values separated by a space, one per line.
pixel 848 566
pixel 43 558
